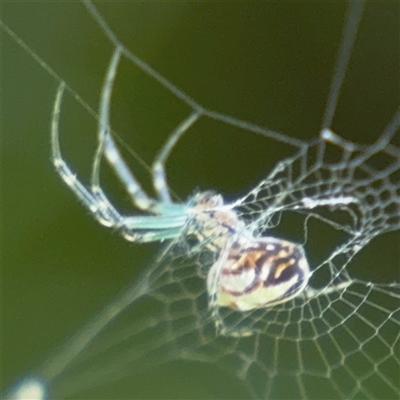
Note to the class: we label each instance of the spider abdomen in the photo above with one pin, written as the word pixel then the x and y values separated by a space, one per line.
pixel 265 272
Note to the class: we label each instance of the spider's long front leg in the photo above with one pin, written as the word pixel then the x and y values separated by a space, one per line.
pixel 140 228
pixel 110 150
pixel 137 229
pixel 103 211
pixel 158 167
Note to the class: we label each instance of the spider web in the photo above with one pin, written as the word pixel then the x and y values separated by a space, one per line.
pixel 343 342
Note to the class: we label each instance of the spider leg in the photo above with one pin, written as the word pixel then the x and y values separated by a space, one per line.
pixel 116 161
pixel 137 229
pixel 158 167
pixel 311 293
pixel 110 150
pixel 104 212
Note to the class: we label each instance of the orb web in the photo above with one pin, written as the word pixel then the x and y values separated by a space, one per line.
pixel 349 325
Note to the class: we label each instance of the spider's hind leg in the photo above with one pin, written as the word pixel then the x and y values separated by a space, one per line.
pixel 311 293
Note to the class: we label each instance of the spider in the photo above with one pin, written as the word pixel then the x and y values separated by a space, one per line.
pixel 248 272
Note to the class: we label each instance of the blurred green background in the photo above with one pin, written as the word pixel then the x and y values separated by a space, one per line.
pixel 268 63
